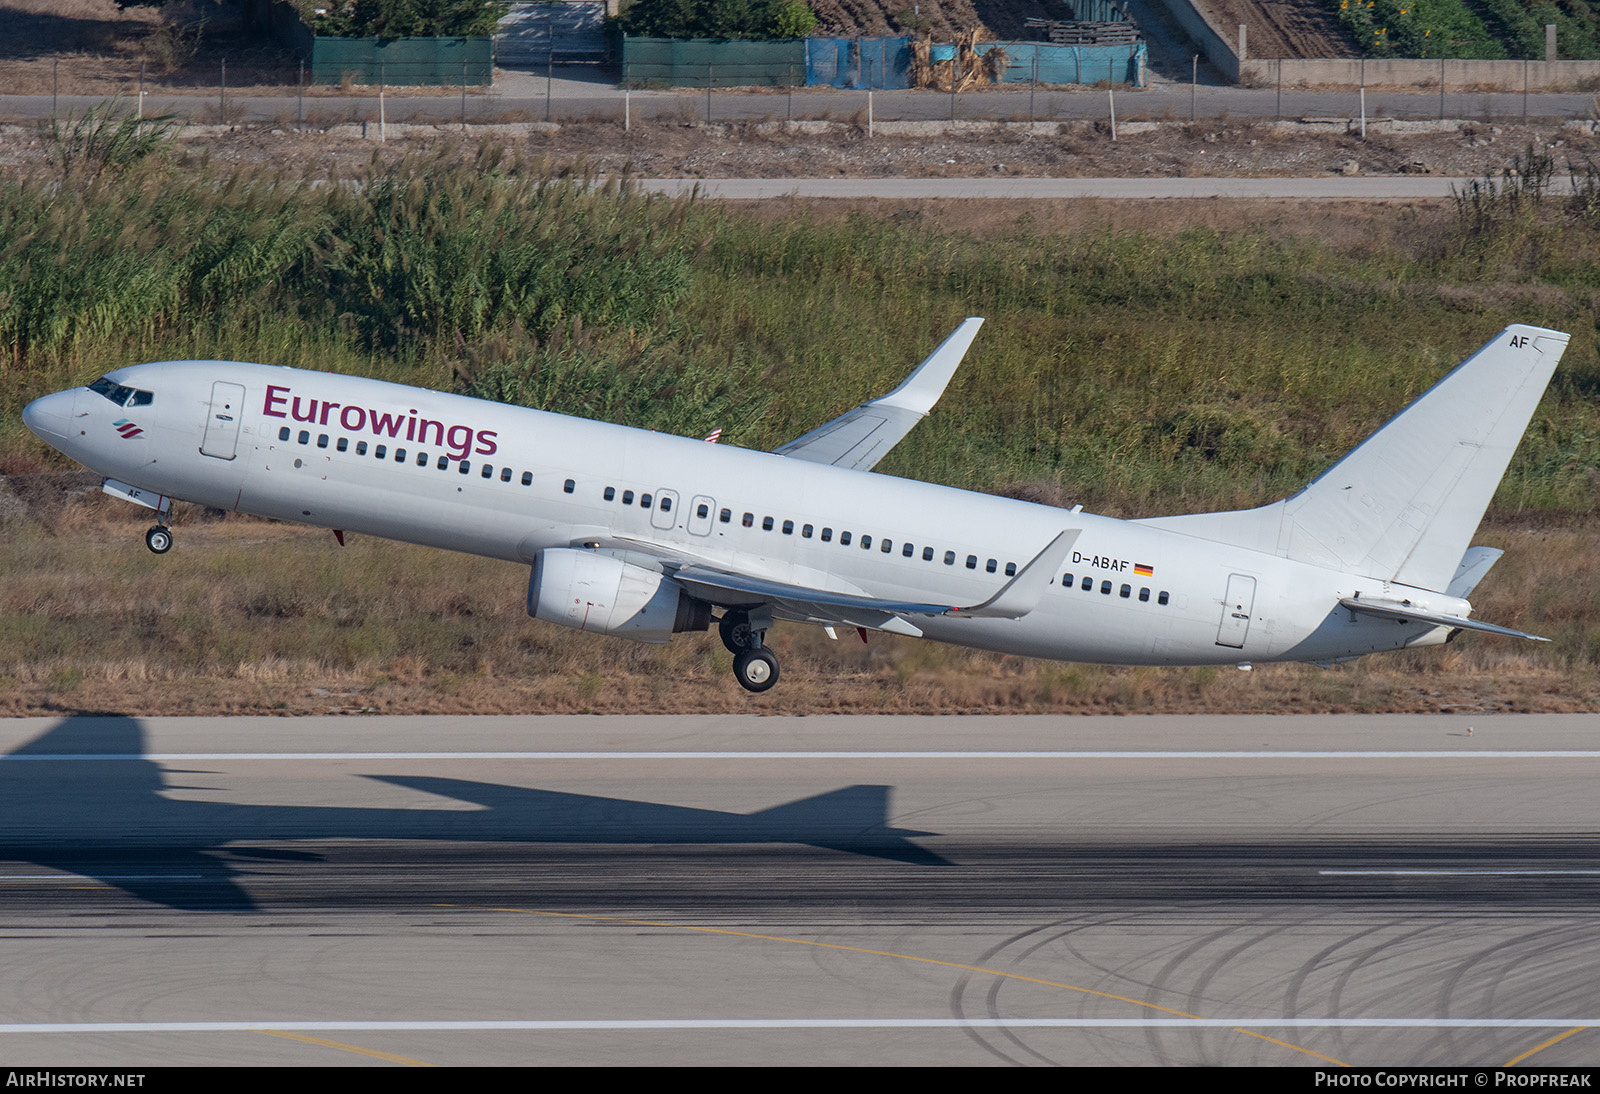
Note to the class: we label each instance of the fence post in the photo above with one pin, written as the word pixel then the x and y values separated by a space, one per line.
pixel 463 95
pixel 55 85
pixel 710 77
pixel 1111 97
pixel 300 98
pixel 789 112
pixel 222 95
pixel 1524 91
pixel 1278 110
pixel 383 134
pixel 627 109
pixel 1034 86
pixel 869 96
pixel 1441 89
pixel 549 75
pixel 1194 82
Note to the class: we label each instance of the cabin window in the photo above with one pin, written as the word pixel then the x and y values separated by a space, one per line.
pixel 725 516
pixel 886 547
pixel 305 436
pixel 806 530
pixel 488 470
pixel 505 476
pixel 972 562
pixel 527 479
pixel 399 455
pixel 444 462
pixel 422 459
pixel 827 535
pixel 1144 595
pixel 991 566
pixel 766 524
pixel 566 488
pixel 666 505
pixel 465 467
pixel 703 511
pixel 343 445
pixel 748 520
pixel 284 434
pixel 1127 591
pixel 788 527
pixel 927 554
pixel 644 501
pixel 907 550
pixel 1066 581
pixel 361 448
pixel 844 539
pixel 322 440
pixel 1162 599
pixel 949 558
pixel 866 543
pixel 380 452
pixel 1105 588
pixel 627 497
pixel 1088 584
pixel 611 493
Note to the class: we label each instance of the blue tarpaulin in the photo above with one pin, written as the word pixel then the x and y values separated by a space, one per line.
pixel 858 62
pixel 1050 64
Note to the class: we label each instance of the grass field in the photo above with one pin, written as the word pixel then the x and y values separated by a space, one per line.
pixel 1156 363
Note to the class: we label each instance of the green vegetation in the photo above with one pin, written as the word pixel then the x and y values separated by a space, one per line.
pixel 718 19
pixel 1419 28
pixel 402 18
pixel 1132 371
pixel 1521 24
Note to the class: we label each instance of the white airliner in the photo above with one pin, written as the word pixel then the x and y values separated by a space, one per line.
pixel 643 535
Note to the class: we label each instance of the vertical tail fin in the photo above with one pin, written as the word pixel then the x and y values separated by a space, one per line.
pixel 1404 504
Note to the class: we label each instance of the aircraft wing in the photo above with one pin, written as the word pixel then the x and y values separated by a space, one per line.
pixel 1017 598
pixel 862 437
pixel 1405 613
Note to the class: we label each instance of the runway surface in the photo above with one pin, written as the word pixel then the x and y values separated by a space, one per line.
pixel 704 890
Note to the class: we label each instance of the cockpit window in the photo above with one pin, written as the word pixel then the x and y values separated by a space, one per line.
pixel 122 396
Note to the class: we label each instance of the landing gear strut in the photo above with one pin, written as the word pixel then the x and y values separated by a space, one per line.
pixel 754 666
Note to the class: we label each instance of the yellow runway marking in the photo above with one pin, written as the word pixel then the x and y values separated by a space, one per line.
pixel 391 1057
pixel 1515 1060
pixel 902 957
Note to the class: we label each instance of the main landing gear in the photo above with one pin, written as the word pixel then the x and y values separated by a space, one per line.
pixel 159 538
pixel 754 666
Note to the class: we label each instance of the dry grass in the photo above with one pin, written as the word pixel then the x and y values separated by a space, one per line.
pixel 249 616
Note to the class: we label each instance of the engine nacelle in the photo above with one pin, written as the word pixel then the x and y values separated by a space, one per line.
pixel 593 592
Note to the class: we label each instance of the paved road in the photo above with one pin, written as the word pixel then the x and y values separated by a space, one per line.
pixel 799 890
pixel 1326 188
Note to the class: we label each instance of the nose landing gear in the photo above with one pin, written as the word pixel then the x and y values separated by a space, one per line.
pixel 158 539
pixel 754 666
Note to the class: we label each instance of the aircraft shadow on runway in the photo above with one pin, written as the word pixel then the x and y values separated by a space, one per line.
pixel 103 819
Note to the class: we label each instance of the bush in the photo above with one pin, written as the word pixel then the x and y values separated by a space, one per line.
pixel 719 19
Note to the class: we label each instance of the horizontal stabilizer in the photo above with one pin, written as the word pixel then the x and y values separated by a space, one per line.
pixel 860 438
pixel 1405 613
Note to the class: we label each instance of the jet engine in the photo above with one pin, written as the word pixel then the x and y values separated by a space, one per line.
pixel 593 592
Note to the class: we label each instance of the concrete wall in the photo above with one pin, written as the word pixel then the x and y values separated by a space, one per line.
pixel 1485 75
pixel 1220 47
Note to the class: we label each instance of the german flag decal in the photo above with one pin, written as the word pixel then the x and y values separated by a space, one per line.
pixel 1144 570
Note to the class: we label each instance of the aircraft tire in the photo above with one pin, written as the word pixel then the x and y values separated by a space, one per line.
pixel 735 633
pixel 158 539
pixel 756 670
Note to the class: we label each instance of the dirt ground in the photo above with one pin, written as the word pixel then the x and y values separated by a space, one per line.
pixel 751 150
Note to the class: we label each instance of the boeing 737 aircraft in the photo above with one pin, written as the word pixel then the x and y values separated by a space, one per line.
pixel 642 535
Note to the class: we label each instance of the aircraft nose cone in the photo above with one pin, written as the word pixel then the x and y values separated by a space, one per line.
pixel 49 418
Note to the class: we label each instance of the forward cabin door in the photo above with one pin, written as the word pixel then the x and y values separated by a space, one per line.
pixel 1236 611
pixel 222 421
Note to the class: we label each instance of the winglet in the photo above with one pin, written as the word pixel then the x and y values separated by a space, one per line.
pixel 919 391
pixel 859 438
pixel 1023 592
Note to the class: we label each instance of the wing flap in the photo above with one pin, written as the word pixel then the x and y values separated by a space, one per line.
pixel 1017 598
